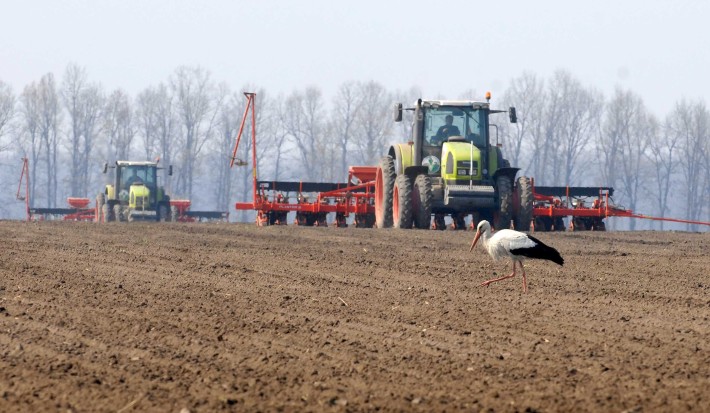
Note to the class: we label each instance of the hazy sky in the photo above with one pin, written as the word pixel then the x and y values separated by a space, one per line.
pixel 659 49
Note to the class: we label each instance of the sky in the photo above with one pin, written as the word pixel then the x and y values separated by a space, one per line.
pixel 658 49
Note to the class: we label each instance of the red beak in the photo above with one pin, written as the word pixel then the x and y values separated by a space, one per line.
pixel 475 240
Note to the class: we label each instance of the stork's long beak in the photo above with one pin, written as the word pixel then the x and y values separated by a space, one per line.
pixel 475 240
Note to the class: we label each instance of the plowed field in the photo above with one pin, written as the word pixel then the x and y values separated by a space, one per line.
pixel 211 317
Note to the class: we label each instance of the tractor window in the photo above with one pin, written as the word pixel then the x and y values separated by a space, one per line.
pixel 442 123
pixel 137 174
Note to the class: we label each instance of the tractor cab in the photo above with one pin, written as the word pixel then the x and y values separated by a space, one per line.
pixel 135 193
pixel 452 139
pixel 448 167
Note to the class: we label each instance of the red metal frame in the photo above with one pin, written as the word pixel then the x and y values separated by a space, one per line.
pixel 26 175
pixel 601 207
pixel 351 199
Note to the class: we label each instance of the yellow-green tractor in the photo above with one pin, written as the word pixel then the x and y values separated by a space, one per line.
pixel 134 194
pixel 449 167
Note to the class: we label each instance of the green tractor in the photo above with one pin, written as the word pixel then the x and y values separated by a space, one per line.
pixel 134 195
pixel 449 167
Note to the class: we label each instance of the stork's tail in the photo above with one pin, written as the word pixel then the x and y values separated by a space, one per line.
pixel 554 255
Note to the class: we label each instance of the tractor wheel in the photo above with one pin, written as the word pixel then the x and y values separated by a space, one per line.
pixel 100 201
pixel 384 188
pixel 439 222
pixel 505 196
pixel 421 202
pixel 459 221
pixel 107 213
pixel 117 213
pixel 524 215
pixel 402 214
pixel 163 215
pixel 364 220
pixel 560 224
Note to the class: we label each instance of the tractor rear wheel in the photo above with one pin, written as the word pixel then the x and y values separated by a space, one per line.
pixel 402 214
pixel 421 199
pixel 107 213
pixel 100 202
pixel 163 215
pixel 117 213
pixel 524 215
pixel 459 221
pixel 439 222
pixel 384 188
pixel 502 219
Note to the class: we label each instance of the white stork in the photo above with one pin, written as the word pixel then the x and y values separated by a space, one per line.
pixel 516 245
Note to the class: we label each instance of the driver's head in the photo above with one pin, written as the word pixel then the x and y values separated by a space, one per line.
pixel 449 119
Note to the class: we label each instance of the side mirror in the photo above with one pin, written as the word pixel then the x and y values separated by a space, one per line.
pixel 513 116
pixel 170 170
pixel 397 112
pixel 105 167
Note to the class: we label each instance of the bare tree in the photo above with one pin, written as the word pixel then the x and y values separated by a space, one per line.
pixel 526 94
pixel 374 121
pixel 661 154
pixel 197 107
pixel 7 109
pixel 48 128
pixel 305 124
pixel 29 133
pixel 346 107
pixel 84 103
pixel 280 133
pixel 545 161
pixel 691 121
pixel 118 124
pixel 636 133
pixel 156 125
pixel 403 130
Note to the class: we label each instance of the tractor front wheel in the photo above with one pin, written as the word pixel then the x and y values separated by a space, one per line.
pixel 384 188
pixel 421 199
pixel 402 202
pixel 504 186
pixel 524 214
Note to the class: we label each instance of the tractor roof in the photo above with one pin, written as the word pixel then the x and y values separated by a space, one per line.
pixel 136 163
pixel 458 103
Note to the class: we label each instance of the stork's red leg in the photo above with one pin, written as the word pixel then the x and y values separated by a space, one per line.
pixel 525 281
pixel 486 283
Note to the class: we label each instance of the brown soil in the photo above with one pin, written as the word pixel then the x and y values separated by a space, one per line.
pixel 210 317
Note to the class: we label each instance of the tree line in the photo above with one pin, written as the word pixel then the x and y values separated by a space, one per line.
pixel 567 133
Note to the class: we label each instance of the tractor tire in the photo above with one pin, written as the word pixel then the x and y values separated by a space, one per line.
pixel 439 222
pixel 163 214
pixel 402 212
pixel 107 213
pixel 559 224
pixel 421 202
pixel 100 202
pixel 504 187
pixel 384 189
pixel 459 221
pixel 118 216
pixel 524 215
pixel 364 220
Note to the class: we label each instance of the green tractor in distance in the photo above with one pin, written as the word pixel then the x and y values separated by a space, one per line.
pixel 450 167
pixel 135 194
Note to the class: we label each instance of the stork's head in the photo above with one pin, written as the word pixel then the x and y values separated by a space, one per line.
pixel 483 227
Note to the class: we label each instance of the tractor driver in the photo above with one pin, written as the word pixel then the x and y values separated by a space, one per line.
pixel 446 130
pixel 134 179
